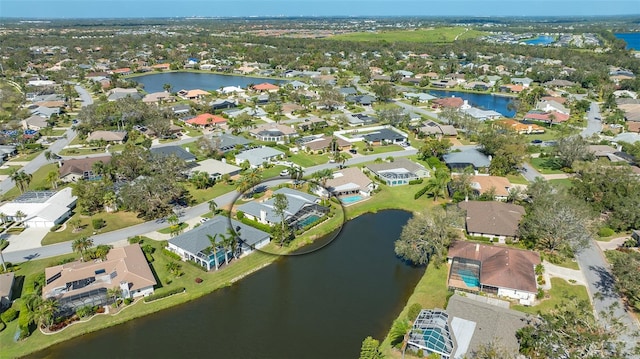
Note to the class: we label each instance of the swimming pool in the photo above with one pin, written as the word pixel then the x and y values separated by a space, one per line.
pixel 307 221
pixel 351 199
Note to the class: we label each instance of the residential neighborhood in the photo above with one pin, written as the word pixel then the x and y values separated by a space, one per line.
pixel 265 165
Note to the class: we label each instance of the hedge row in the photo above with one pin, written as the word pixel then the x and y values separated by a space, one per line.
pixel 422 191
pixel 170 254
pixel 416 181
pixel 161 295
pixel 9 315
pixel 255 224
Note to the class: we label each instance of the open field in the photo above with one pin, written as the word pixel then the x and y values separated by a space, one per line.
pixel 434 35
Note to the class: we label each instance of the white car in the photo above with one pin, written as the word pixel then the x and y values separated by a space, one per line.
pixel 202 220
pixel 284 173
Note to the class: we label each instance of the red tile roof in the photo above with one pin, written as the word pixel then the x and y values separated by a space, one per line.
pixel 449 102
pixel 206 119
pixel 265 87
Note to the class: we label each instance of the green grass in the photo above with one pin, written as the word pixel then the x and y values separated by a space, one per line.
pixel 517 179
pixel 207 194
pixel 560 290
pixel 114 221
pixel 381 149
pixel 38 181
pixel 26 156
pixel 309 160
pixel 167 230
pixel 562 261
pixel 9 170
pixel 435 35
pixel 430 292
pixel 546 165
pixel 272 172
pixel 565 183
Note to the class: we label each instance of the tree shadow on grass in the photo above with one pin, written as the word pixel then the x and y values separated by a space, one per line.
pixel 155 275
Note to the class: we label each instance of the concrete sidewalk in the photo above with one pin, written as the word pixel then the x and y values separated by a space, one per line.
pixel 552 270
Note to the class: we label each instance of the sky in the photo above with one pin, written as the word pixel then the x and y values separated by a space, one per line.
pixel 57 9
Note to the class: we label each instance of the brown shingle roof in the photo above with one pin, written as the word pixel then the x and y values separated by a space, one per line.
pixel 494 218
pixel 109 136
pixel 79 166
pixel 501 267
pixel 483 184
pixel 351 175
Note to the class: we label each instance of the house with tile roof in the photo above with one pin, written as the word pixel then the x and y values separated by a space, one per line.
pixel 273 132
pixel 348 181
pixel 74 169
pixel 78 284
pixel 206 120
pixel 503 271
pixel 520 127
pixel 265 87
pixel 108 136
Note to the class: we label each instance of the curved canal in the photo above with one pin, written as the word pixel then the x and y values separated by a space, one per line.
pixel 320 305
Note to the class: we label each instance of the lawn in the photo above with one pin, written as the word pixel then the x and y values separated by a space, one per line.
pixel 114 221
pixel 26 156
pixel 381 149
pixel 207 194
pixel 565 183
pixel 546 166
pixel 517 179
pixel 434 35
pixel 9 170
pixel 167 230
pixel 430 292
pixel 560 290
pixel 38 181
pixel 308 160
pixel 81 151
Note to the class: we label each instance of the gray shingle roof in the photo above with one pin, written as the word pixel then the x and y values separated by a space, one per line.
pixel 166 151
pixel 296 200
pixel 470 156
pixel 196 239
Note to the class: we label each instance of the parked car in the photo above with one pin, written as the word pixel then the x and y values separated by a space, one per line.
pixel 536 141
pixel 202 220
pixel 353 150
pixel 284 173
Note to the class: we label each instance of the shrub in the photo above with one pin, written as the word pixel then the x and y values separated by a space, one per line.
pixel 198 280
pixel 413 312
pixel 9 315
pixel 540 293
pixel 170 254
pixel 98 223
pixel 261 226
pixel 416 181
pixel 606 232
pixel 55 228
pixel 87 311
pixel 128 301
pixel 422 191
pixel 195 264
pixel 136 239
pixel 161 295
pixel 240 215
pixel 539 269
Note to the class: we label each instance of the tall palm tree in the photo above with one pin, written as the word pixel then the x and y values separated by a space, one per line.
pixel 437 184
pixel 296 173
pixel 22 180
pixel 114 293
pixel 110 201
pixel 45 313
pixel 47 155
pixel 19 216
pixel 214 248
pixel 52 177
pixel 213 206
pixel 82 245
pixel 340 157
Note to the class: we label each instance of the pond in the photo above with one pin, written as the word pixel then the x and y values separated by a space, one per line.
pixel 320 305
pixel 632 39
pixel 484 101
pixel 541 40
pixel 194 80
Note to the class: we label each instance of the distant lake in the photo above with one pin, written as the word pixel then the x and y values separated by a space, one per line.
pixel 193 80
pixel 540 40
pixel 632 40
pixel 484 101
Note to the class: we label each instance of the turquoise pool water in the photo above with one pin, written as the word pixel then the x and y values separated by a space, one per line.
pixel 307 221
pixel 469 278
pixel 434 340
pixel 351 199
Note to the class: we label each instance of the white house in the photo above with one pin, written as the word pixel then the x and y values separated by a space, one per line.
pixel 258 156
pixel 41 209
pixel 348 181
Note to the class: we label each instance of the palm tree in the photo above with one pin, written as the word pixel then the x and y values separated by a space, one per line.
pixel 52 177
pixel 167 87
pixel 110 201
pixel 214 248
pixel 174 268
pixel 296 173
pixel 437 184
pixel 45 313
pixel 19 216
pixel 47 155
pixel 340 157
pixel 213 207
pixel 22 180
pixel 114 293
pixel 82 245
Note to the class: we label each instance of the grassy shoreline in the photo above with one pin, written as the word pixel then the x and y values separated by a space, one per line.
pixel 390 198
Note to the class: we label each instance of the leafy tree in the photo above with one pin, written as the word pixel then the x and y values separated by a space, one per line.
pixel 82 245
pixel 554 222
pixel 152 196
pixel 249 180
pixel 435 148
pixel 571 149
pixel 624 266
pixel 570 330
pixel 101 251
pixel 201 180
pixel 491 350
pixel 427 236
pixel 384 91
pixel 393 115
pixel 370 349
pixel 507 148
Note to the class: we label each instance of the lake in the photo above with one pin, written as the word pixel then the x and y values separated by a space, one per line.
pixel 481 100
pixel 193 80
pixel 632 39
pixel 320 305
pixel 541 40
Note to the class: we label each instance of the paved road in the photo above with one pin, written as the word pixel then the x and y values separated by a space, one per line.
pixel 55 147
pixel 530 173
pixel 593 126
pixel 600 280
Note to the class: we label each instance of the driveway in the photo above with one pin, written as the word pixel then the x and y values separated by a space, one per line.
pixel 593 126
pixel 29 238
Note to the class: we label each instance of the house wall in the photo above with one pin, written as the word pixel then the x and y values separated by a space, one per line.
pixel 142 292
pixel 525 298
pixel 501 239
